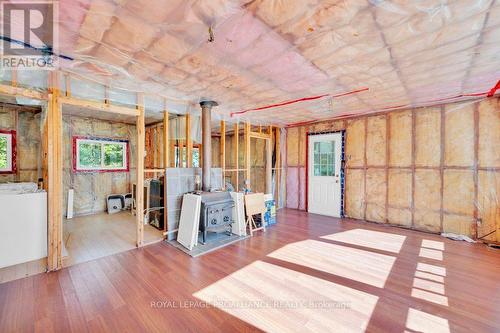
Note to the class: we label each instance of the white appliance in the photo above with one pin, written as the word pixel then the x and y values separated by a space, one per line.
pixel 128 200
pixel 239 226
pixel 115 203
pixel 24 230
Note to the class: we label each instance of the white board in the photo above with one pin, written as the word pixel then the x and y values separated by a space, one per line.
pixel 189 222
pixel 69 214
pixel 23 226
pixel 239 226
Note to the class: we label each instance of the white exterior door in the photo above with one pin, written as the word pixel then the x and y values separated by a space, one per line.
pixel 324 167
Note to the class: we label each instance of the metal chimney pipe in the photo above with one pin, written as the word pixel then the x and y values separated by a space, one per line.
pixel 206 142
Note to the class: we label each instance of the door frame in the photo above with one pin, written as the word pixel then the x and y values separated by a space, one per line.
pixel 342 167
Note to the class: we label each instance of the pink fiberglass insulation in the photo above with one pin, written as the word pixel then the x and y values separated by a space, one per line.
pixel 292 187
pixel 248 54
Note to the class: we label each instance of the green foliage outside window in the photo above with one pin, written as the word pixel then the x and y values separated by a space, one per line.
pixel 113 155
pixel 101 155
pixel 3 152
pixel 90 155
pixel 196 158
pixel 181 162
pixel 324 158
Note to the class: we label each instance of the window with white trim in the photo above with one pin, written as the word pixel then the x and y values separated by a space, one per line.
pixel 7 155
pixel 100 155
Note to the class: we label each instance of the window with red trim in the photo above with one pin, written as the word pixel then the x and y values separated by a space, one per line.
pixel 100 155
pixel 7 152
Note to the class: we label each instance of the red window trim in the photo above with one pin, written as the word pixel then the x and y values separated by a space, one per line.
pixel 75 170
pixel 14 152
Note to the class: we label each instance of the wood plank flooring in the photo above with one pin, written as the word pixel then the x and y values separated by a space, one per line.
pixel 23 270
pixel 95 236
pixel 307 273
pixel 87 238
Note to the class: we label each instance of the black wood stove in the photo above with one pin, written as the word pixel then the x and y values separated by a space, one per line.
pixel 216 213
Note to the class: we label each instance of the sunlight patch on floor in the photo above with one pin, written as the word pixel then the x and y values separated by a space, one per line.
pixel 430 297
pixel 430 244
pixel 358 265
pixel 277 299
pixel 437 270
pixel 428 283
pixel 431 254
pixel 432 286
pixel 429 276
pixel 368 238
pixel 419 321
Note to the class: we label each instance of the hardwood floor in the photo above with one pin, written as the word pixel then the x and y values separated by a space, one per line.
pixel 95 236
pixel 307 273
pixel 20 271
pixel 87 238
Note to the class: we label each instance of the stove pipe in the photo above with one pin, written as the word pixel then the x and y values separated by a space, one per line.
pixel 206 142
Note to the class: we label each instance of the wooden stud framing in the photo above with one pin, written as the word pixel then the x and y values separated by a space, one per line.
pixel 139 195
pixel 442 130
pixel 278 167
pixel 11 90
pixel 269 163
pixel 14 77
pixel 236 153
pixel 200 155
pixel 476 174
pixel 223 151
pixel 365 204
pixel 154 170
pixel 52 151
pixel 99 106
pixel 387 164
pixel 16 126
pixel 154 149
pixel 166 164
pixel 180 151
pixel 171 146
pixel 67 80
pixel 189 142
pixel 413 168
pixel 258 135
pixel 22 92
pixel 166 146
pixel 54 160
pixel 247 131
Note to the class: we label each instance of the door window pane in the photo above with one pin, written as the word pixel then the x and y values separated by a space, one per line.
pixel 324 158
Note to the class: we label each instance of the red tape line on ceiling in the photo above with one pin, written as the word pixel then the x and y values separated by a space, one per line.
pixel 489 93
pixel 297 101
pixel 494 89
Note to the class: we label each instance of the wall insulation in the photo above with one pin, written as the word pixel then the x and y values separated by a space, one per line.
pixel 434 169
pixel 26 122
pixel 92 188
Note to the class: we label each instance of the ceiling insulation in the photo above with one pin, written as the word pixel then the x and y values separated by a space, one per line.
pixel 269 58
